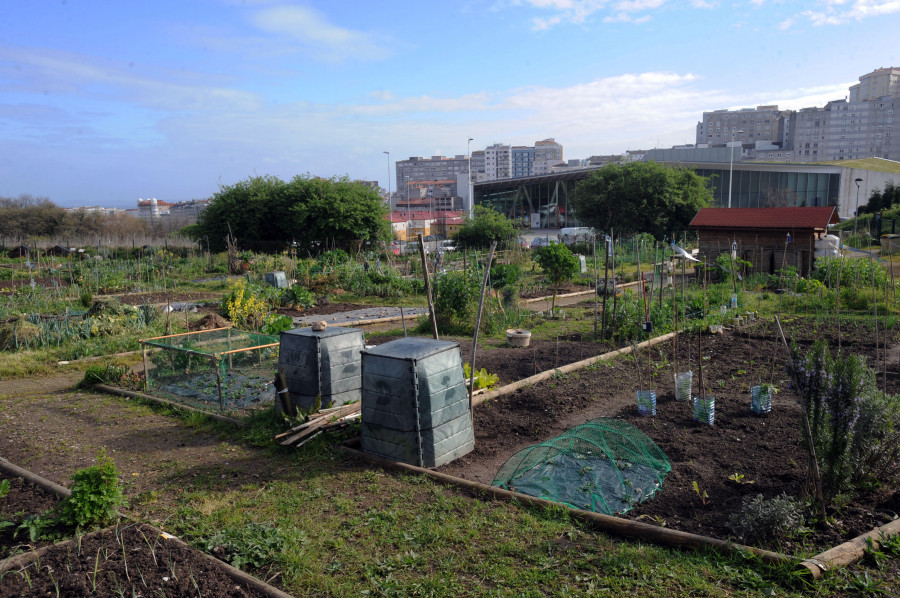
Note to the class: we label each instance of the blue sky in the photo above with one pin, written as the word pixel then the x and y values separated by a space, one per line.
pixel 102 103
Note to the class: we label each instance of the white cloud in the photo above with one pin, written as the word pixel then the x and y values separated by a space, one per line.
pixel 312 29
pixel 46 71
pixel 838 12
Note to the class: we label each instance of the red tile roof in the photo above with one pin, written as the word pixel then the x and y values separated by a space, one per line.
pixel 766 218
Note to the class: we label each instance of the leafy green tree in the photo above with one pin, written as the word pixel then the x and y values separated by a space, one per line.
pixel 318 214
pixel 487 226
pixel 559 265
pixel 641 197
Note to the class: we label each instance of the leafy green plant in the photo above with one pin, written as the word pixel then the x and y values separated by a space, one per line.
pixel 4 487
pixel 96 494
pixel 251 546
pixel 103 374
pixel 483 379
pixel 701 493
pixel 277 323
pixel 738 478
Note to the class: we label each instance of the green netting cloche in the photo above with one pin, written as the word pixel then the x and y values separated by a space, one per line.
pixel 605 465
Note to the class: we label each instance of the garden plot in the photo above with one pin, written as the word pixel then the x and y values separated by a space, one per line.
pixel 222 370
pixel 713 467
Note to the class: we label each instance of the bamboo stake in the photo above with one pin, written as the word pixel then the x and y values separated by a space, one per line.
pixel 810 446
pixel 487 274
pixel 434 328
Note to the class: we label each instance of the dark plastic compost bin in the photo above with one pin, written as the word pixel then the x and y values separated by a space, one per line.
pixel 277 280
pixel 415 408
pixel 322 363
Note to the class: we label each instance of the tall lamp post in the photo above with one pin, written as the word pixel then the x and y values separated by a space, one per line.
pixel 470 199
pixel 731 168
pixel 856 213
pixel 388 154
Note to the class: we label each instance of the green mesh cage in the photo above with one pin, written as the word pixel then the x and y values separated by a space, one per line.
pixel 605 465
pixel 219 370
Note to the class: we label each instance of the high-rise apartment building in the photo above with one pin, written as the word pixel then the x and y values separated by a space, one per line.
pixel 436 168
pixel 877 84
pixel 497 162
pixel 860 126
pixel 547 154
pixel 477 166
pixel 522 161
pixel 748 125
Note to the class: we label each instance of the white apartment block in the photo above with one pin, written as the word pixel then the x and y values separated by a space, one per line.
pixel 860 126
pixel 497 162
pixel 547 153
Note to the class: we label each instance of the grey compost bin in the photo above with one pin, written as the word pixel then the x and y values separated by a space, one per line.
pixel 322 363
pixel 277 280
pixel 415 408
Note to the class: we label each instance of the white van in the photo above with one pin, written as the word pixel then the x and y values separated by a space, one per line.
pixel 575 234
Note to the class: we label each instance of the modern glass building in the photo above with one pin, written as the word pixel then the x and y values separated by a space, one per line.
pixel 544 201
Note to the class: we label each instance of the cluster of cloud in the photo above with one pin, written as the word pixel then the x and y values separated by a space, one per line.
pixel 821 12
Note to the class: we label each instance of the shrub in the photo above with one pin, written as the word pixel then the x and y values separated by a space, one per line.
pixel 96 494
pixel 837 393
pixel 455 297
pixel 244 306
pixel 762 520
pixel 875 452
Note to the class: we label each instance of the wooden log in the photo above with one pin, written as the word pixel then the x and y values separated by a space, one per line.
pixel 849 552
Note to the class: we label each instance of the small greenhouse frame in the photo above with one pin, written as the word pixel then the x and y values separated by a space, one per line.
pixel 223 369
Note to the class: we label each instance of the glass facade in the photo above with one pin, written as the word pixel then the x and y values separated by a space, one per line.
pixel 762 188
pixel 543 201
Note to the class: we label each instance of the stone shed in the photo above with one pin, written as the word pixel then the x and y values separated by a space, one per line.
pixel 766 237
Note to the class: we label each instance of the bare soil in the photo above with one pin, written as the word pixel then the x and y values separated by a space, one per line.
pixel 767 450
pixel 130 559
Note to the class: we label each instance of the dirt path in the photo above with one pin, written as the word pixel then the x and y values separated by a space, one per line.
pixel 53 428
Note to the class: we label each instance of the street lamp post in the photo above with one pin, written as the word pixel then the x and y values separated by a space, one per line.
pixel 470 200
pixel 856 213
pixel 731 168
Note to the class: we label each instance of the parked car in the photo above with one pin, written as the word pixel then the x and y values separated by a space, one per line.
pixel 575 234
pixel 448 245
pixel 523 243
pixel 539 242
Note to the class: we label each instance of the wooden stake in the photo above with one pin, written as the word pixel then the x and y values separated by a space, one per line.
pixel 434 328
pixel 810 446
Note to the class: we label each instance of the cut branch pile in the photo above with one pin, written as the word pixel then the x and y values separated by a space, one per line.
pixel 325 420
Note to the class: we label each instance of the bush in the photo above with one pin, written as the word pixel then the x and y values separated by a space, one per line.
pixel 762 520
pixel 875 453
pixel 456 297
pixel 836 393
pixel 244 305
pixel 96 494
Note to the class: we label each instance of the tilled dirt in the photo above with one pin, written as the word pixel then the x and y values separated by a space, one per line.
pixel 127 560
pixel 766 450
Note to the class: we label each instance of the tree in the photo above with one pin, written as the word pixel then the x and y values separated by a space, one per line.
pixel 641 197
pixel 559 265
pixel 266 213
pixel 487 226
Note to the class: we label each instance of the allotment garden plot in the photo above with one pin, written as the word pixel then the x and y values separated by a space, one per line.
pixel 220 370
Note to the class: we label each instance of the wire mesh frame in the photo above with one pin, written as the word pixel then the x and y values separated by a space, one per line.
pixel 217 348
pixel 620 444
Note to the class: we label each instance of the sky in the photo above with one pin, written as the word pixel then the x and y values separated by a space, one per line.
pixel 103 103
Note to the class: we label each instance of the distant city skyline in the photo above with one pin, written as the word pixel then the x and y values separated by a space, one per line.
pixel 104 103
